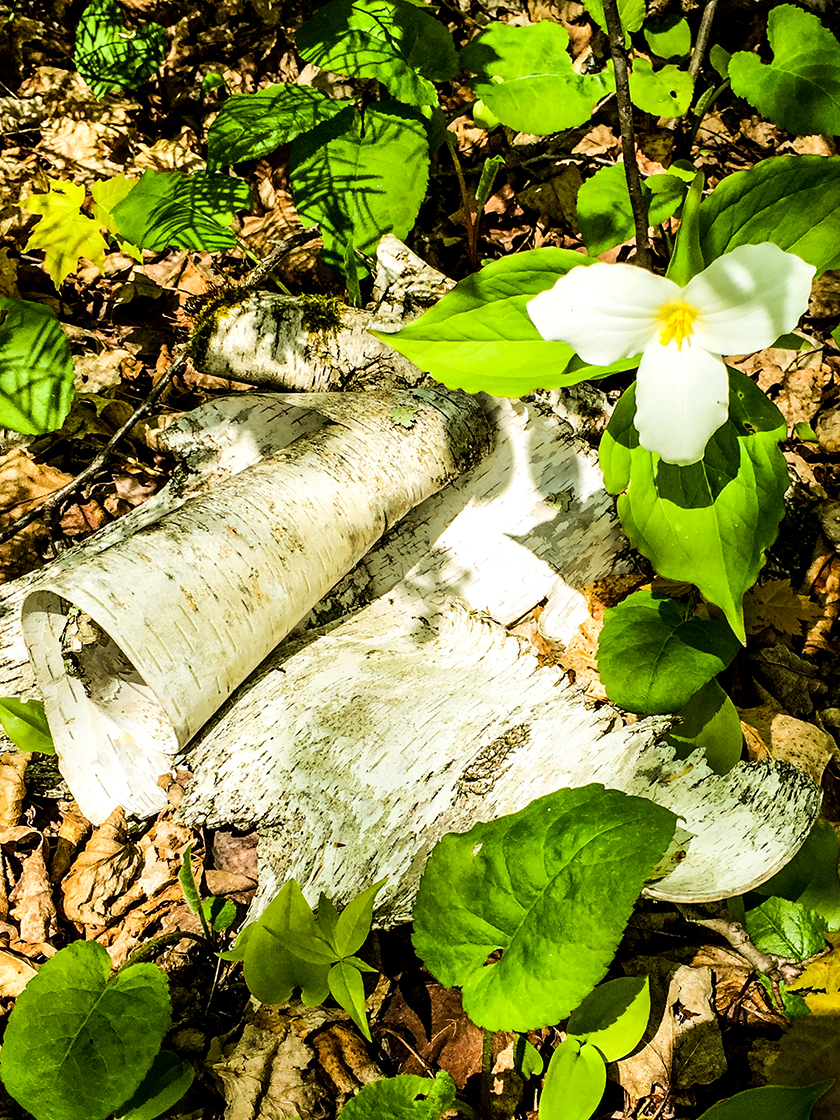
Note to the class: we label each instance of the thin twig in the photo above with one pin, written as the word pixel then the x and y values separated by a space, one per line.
pixel 46 507
pixel 702 40
pixel 466 205
pixel 618 51
pixel 280 250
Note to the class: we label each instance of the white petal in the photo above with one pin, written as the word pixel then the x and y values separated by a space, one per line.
pixel 682 398
pixel 748 297
pixel 605 311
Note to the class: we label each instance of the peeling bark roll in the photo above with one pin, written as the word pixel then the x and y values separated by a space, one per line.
pixel 135 648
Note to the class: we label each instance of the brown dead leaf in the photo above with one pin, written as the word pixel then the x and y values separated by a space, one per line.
pixel 15 974
pixel 96 888
pixel 34 907
pixel 791 740
pixel 775 604
pixel 825 295
pixel 150 917
pixel 791 682
pixel 24 484
pixel 74 828
pixel 12 789
pixel 556 197
pixel 810 1052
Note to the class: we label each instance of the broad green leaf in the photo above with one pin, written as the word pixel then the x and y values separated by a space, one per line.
pixel 190 211
pixel 107 194
pixel 353 924
pixel 669 36
pixel 710 722
pixel 664 93
pixel 687 259
pixel 793 201
pixel 250 125
pixel 719 58
pixel 552 887
pixel 574 1083
pixel 64 232
pixel 77 1044
pixel 613 1017
pixel 403 1098
pixel 161 1088
pixel 630 12
pixel 653 655
pixel 348 991
pixel 396 42
pixel 811 878
pixel 708 524
pixel 25 723
pixel 219 913
pixel 327 918
pixel 36 368
pixel 271 972
pixel 526 1059
pixel 800 89
pixel 781 1102
pixel 305 946
pixel 525 77
pixel 360 179
pixel 479 337
pixel 785 928
pixel 604 211
pixel 109 54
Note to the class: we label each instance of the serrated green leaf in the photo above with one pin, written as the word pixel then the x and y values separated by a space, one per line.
pixel 109 54
pixel 190 211
pixel 64 233
pixel 669 36
pixel 630 12
pixel 353 924
pixel 665 93
pixel 359 180
pixel 709 721
pixel 77 1044
pixel 708 524
pixel 404 1097
pixel 653 656
pixel 551 886
pixel 779 1101
pixel 348 991
pixel 271 972
pixel 604 211
pixel 25 723
pixel 398 43
pixel 800 89
pixel 613 1017
pixel 479 337
pixel 786 928
pixel 525 77
pixel 36 368
pixel 574 1083
pixel 251 125
pixel 161 1088
pixel 793 201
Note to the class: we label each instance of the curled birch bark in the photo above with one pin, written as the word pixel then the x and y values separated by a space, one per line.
pixel 134 648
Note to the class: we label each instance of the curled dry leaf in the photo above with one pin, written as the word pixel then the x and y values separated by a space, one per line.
pixel 95 889
pixel 74 828
pixel 33 901
pixel 12 789
pixel 15 974
pixel 793 740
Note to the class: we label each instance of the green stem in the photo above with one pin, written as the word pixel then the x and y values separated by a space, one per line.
pixel 150 949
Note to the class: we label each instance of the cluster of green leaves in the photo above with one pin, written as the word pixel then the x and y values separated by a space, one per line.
pixel 291 947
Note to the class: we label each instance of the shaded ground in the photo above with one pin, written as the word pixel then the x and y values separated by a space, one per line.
pixel 63 881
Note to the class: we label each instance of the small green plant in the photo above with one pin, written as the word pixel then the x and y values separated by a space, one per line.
pixel 291 947
pixel 25 723
pixel 81 1044
pixel 215 914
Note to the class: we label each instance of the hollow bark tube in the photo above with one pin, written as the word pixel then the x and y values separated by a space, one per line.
pixel 175 617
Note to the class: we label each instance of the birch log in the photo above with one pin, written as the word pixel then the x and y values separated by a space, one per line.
pixel 175 616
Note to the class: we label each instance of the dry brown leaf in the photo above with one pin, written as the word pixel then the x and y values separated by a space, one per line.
pixel 15 974
pixel 34 907
pixel 145 920
pixel 12 789
pixel 776 604
pixel 792 740
pixel 96 888
pixel 24 484
pixel 74 828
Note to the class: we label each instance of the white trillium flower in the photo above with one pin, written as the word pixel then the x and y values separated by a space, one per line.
pixel 741 303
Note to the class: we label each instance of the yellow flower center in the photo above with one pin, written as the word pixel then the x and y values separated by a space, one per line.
pixel 678 318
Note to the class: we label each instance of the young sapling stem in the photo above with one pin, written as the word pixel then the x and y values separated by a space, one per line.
pixel 702 41
pixel 466 206
pixel 618 51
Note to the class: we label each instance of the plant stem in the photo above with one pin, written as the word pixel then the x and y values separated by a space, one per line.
pixel 702 39
pixel 618 50
pixel 466 206
pixel 486 1071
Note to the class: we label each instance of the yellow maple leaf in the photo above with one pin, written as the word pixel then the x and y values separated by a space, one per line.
pixel 107 194
pixel 64 232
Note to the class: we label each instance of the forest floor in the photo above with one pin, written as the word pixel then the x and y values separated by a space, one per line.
pixel 63 880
